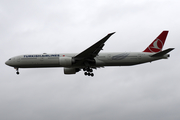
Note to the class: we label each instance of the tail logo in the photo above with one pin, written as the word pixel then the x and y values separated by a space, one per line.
pixel 156 46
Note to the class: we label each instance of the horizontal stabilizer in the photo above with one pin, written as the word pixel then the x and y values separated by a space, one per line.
pixel 159 54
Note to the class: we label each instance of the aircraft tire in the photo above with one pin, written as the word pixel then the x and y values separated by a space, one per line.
pixel 85 73
pixel 92 74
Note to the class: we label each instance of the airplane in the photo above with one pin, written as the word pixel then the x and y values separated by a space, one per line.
pixel 91 58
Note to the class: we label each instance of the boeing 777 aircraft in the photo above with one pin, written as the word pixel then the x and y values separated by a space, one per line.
pixel 90 58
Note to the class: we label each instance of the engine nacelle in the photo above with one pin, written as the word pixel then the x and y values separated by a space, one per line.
pixel 65 61
pixel 71 70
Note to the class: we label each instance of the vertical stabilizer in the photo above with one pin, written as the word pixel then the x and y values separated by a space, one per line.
pixel 157 44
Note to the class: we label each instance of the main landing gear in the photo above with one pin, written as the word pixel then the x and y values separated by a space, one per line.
pixel 88 72
pixel 17 71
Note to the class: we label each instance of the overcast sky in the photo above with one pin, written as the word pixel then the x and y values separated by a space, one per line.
pixel 144 92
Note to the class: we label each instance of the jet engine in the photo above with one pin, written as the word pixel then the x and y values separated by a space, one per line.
pixel 71 70
pixel 66 61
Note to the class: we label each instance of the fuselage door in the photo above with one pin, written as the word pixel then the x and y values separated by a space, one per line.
pixel 41 59
pixel 139 56
pixel 18 59
pixel 109 56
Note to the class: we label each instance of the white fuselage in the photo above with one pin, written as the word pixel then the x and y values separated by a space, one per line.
pixel 103 59
pixel 91 58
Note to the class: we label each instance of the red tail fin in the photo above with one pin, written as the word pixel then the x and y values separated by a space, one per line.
pixel 158 43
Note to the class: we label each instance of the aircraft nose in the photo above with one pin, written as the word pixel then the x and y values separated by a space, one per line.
pixel 7 62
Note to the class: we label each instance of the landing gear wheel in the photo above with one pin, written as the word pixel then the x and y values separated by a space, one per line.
pixel 88 72
pixel 17 71
pixel 85 73
pixel 92 74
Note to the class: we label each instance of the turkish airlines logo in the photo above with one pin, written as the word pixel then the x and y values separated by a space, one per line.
pixel 156 46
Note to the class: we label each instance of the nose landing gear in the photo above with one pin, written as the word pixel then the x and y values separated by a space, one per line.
pixel 17 71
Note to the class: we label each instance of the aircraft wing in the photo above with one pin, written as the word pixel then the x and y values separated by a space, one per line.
pixel 92 51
